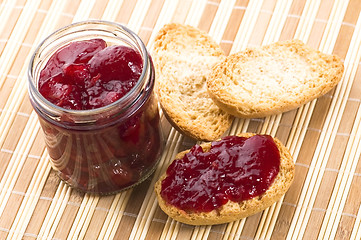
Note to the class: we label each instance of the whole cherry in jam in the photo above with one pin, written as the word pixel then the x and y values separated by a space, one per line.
pixel 235 168
pixel 89 74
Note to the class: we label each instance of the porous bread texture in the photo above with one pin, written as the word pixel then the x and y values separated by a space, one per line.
pixel 183 57
pixel 233 211
pixel 272 79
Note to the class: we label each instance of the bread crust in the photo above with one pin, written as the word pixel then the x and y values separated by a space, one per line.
pixel 272 79
pixel 183 57
pixel 233 211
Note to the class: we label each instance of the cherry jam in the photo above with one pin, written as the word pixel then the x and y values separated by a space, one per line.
pixel 235 168
pixel 91 84
pixel 89 74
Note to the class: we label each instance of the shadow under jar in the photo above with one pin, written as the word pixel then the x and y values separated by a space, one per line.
pixel 108 148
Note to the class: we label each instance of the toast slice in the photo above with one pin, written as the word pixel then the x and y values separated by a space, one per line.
pixel 272 79
pixel 233 211
pixel 183 57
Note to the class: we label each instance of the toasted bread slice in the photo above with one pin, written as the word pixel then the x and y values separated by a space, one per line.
pixel 183 57
pixel 232 211
pixel 272 79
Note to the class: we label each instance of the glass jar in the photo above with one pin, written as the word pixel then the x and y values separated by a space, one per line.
pixel 107 149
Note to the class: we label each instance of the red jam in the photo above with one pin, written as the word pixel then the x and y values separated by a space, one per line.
pixel 235 168
pixel 100 158
pixel 88 74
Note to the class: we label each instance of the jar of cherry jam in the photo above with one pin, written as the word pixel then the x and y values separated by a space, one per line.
pixel 91 84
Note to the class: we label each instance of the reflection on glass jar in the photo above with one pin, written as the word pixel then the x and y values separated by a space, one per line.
pixel 106 149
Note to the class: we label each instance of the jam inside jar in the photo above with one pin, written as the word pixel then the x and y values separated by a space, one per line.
pixel 102 136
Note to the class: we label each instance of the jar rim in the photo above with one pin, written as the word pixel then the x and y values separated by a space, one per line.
pixel 140 82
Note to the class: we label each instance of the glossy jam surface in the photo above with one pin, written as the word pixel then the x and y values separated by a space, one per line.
pixel 89 74
pixel 100 158
pixel 235 169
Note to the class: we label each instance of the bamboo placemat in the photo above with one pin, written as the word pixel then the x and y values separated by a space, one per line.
pixel 324 136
